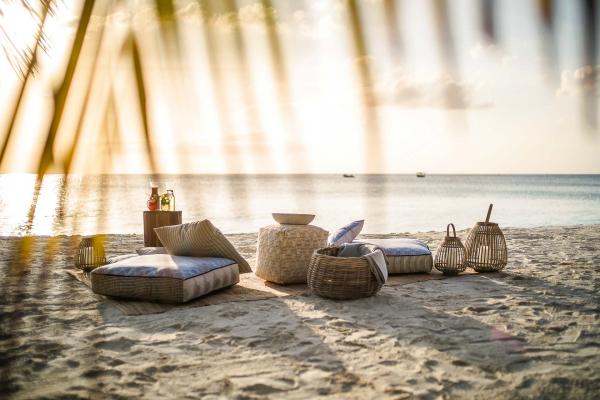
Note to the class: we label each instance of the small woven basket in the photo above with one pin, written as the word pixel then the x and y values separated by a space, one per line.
pixel 486 246
pixel 340 277
pixel 450 257
pixel 90 253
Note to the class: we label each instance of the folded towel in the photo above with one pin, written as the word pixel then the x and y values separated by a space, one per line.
pixel 374 256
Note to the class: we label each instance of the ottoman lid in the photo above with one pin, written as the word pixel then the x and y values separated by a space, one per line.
pixel 294 228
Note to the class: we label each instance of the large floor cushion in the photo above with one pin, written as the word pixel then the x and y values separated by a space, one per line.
pixel 199 239
pixel 284 251
pixel 164 278
pixel 405 256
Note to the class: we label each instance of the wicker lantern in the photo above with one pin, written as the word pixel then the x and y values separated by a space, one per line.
pixel 486 246
pixel 90 253
pixel 450 257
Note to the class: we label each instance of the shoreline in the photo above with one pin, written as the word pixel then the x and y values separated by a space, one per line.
pixel 363 234
pixel 532 331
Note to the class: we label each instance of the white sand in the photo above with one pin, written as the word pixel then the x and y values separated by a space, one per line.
pixel 533 331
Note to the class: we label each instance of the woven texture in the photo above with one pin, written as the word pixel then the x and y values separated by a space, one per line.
pixel 162 289
pixel 199 239
pixel 90 253
pixel 340 277
pixel 284 251
pixel 409 264
pixel 450 257
pixel 486 248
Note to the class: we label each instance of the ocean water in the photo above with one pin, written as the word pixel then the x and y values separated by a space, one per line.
pixel 242 203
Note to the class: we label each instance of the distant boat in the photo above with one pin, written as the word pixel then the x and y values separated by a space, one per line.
pixel 420 174
pixel 348 176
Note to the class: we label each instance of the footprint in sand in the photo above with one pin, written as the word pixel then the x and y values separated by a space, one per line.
pixel 120 345
pixel 98 373
pixel 460 363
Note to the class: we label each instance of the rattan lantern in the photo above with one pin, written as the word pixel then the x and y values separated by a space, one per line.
pixel 90 253
pixel 450 257
pixel 486 246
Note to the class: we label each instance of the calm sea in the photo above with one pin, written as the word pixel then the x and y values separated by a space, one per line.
pixel 388 203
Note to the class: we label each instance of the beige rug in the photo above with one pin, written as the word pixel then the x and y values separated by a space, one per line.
pixel 249 288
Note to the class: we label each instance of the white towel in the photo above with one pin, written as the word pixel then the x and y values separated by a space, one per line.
pixel 373 254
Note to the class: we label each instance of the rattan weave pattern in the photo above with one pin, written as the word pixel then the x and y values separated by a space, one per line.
pixel 90 253
pixel 450 257
pixel 164 289
pixel 340 277
pixel 486 247
pixel 284 251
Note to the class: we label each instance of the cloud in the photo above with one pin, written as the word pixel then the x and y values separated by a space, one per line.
pixel 253 13
pixel 438 92
pixel 583 80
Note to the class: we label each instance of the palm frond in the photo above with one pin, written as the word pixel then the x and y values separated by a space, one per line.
pixel 18 102
pixel 390 8
pixel 61 94
pixel 488 20
pixel 372 134
pixel 590 48
pixel 140 82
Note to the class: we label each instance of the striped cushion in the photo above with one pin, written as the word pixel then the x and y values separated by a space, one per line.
pixel 406 256
pixel 142 251
pixel 199 239
pixel 409 264
pixel 345 234
pixel 400 246
pixel 164 278
pixel 114 259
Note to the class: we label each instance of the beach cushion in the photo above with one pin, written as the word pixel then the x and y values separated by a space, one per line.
pixel 164 278
pixel 199 239
pixel 151 250
pixel 114 259
pixel 405 256
pixel 345 234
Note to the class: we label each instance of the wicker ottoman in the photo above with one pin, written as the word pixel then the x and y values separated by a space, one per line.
pixel 284 251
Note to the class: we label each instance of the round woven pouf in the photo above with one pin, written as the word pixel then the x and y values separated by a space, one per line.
pixel 284 251
pixel 341 277
pixel 90 253
pixel 450 257
pixel 486 246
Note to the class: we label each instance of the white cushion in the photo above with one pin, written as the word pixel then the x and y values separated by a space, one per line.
pixel 346 234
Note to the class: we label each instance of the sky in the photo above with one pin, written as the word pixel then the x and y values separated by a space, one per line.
pixel 220 102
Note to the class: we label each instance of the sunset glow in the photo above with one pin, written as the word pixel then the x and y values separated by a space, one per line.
pixel 219 102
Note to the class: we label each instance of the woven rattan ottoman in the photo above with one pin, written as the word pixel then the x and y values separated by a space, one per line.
pixel 284 251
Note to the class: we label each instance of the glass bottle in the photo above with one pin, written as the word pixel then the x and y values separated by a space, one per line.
pixel 167 201
pixel 153 203
pixel 171 196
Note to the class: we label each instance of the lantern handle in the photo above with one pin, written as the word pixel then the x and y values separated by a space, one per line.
pixel 487 218
pixel 448 230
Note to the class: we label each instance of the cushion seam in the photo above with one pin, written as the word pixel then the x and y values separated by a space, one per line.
pixel 166 277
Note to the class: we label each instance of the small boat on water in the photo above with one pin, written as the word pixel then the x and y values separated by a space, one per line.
pixel 420 174
pixel 348 176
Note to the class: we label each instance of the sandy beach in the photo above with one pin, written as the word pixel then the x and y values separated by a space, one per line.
pixel 530 331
